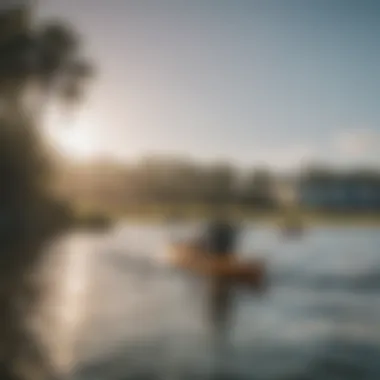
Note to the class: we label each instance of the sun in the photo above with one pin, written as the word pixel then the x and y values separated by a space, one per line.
pixel 73 138
pixel 77 142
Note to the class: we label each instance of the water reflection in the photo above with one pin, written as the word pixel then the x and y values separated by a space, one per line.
pixel 133 316
pixel 220 306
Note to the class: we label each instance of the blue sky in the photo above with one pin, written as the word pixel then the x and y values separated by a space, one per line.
pixel 253 81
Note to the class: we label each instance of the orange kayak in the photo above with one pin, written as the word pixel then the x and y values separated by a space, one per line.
pixel 230 269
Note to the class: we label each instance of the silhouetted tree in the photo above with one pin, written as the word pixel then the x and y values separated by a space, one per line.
pixel 258 189
pixel 38 64
pixel 219 183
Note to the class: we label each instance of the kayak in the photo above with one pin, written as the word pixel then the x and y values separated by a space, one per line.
pixel 196 260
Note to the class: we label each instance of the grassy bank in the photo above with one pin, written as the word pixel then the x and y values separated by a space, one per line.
pixel 162 213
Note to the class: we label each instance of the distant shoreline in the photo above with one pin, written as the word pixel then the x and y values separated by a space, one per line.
pixel 272 221
pixel 277 218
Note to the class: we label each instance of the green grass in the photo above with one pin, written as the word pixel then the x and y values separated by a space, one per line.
pixel 159 212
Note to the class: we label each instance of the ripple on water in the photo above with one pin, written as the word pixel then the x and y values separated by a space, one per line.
pixel 320 318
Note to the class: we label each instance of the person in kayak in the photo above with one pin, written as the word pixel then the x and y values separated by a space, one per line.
pixel 220 238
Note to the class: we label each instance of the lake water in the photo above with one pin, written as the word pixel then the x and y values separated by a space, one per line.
pixel 125 314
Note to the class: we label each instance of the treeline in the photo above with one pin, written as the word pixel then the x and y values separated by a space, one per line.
pixel 161 180
pixel 169 181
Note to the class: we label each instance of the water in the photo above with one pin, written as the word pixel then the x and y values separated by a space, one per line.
pixel 129 315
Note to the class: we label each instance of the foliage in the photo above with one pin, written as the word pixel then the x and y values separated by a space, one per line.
pixel 43 60
pixel 115 186
pixel 175 181
pixel 38 65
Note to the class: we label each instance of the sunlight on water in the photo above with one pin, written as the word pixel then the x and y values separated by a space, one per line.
pixel 74 300
pixel 63 308
pixel 121 312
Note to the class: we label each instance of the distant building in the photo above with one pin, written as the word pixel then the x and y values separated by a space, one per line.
pixel 341 193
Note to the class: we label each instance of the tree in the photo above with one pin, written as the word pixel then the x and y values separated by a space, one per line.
pixel 219 182
pixel 38 65
pixel 39 62
pixel 259 187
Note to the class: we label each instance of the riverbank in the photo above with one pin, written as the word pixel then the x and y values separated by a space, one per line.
pixel 270 220
pixel 159 214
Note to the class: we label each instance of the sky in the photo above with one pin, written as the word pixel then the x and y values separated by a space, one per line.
pixel 253 81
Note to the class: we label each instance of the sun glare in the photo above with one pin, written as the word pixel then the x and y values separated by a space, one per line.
pixel 77 142
pixel 73 138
